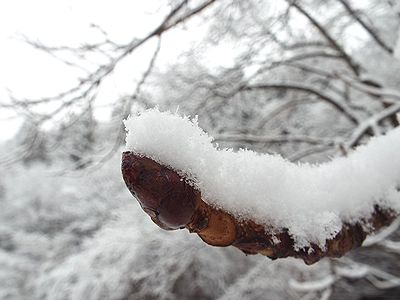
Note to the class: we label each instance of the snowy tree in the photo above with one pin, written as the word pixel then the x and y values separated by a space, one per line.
pixel 34 140
pixel 77 137
pixel 308 80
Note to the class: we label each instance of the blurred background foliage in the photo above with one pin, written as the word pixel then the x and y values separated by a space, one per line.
pixel 307 79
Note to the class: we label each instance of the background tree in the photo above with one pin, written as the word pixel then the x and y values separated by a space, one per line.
pixel 30 134
pixel 307 79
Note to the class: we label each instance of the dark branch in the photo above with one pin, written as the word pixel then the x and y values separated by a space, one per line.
pixel 353 66
pixel 367 28
pixel 340 107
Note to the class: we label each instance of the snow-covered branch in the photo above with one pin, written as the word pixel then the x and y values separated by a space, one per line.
pixel 384 93
pixel 372 32
pixel 325 33
pixel 274 139
pixel 347 268
pixel 359 132
pixel 259 203
pixel 340 107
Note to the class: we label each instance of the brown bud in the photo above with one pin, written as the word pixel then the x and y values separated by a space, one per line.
pixel 215 227
pixel 161 192
pixel 172 203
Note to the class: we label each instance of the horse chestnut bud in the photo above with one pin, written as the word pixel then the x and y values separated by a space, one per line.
pixel 163 195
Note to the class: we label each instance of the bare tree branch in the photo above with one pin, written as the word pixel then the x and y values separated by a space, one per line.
pixel 248 138
pixel 353 66
pixel 382 93
pixel 309 151
pixel 85 89
pixel 360 131
pixel 367 28
pixel 340 107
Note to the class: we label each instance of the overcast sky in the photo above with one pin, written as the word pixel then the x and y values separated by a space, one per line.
pixel 29 73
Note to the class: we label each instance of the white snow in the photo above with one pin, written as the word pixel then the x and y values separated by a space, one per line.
pixel 312 201
pixel 397 45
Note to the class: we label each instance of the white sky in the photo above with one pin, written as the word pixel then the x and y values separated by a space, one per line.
pixel 31 73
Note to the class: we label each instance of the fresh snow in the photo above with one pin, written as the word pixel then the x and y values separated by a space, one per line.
pixel 397 45
pixel 311 201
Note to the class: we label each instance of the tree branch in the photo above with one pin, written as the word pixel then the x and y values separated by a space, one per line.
pixel 273 139
pixel 360 131
pixel 340 107
pixel 353 66
pixel 172 203
pixel 367 28
pixel 90 83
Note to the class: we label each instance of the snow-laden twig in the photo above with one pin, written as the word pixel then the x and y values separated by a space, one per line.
pixel 326 34
pixel 380 279
pixel 274 139
pixel 359 132
pixel 300 87
pixel 316 285
pixel 372 32
pixel 310 151
pixel 384 93
pixel 352 271
pixel 392 246
pixel 382 235
pixel 310 201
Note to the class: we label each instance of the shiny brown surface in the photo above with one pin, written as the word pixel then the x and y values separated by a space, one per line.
pixel 172 204
pixel 161 192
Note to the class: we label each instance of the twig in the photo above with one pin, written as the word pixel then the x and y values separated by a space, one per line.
pixel 367 28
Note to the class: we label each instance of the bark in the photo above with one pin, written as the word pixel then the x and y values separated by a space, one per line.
pixel 172 204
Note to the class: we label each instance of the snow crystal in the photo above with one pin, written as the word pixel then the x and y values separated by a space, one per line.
pixel 311 201
pixel 397 45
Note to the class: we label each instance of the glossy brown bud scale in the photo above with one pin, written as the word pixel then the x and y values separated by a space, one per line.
pixel 172 203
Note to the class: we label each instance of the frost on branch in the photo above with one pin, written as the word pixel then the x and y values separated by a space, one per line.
pixel 259 203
